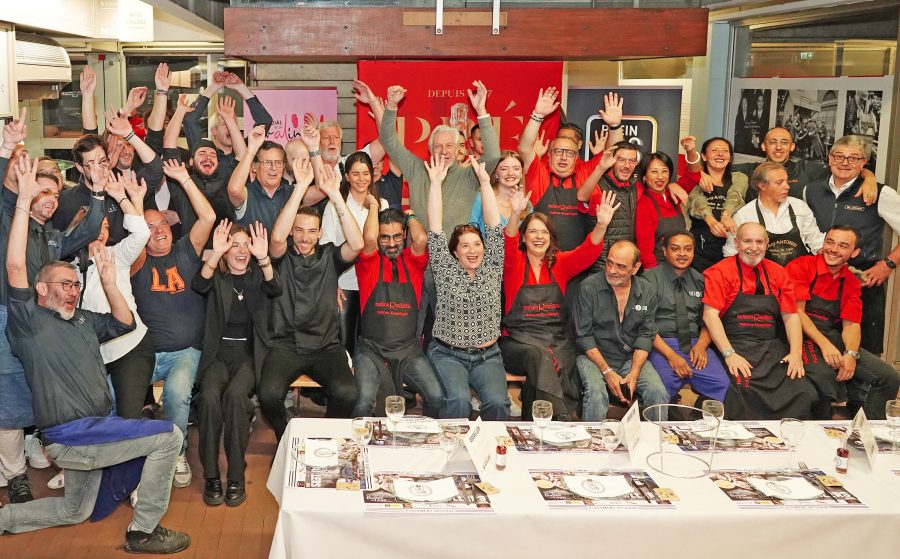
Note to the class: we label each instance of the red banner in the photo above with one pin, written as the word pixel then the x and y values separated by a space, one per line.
pixel 437 94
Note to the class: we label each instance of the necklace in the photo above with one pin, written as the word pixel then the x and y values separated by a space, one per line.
pixel 240 294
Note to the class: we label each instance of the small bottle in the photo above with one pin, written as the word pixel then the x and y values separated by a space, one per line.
pixel 842 460
pixel 500 458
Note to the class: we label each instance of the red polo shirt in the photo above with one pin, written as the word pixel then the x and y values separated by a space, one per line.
pixel 367 273
pixel 805 269
pixel 721 284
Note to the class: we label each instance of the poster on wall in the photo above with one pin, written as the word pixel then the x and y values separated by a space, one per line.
pixel 651 118
pixel 437 93
pixel 815 111
pixel 287 106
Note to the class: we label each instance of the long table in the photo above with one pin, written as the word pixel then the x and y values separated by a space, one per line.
pixel 324 523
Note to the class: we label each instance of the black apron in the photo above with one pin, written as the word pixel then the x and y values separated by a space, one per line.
pixel 561 206
pixel 665 227
pixel 826 316
pixel 784 247
pixel 750 323
pixel 387 326
pixel 709 247
pixel 539 317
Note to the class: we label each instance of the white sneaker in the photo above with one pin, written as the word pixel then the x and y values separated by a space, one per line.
pixel 58 481
pixel 182 471
pixel 3 482
pixel 34 453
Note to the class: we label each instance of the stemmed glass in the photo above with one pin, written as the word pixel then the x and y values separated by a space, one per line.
pixel 541 414
pixel 892 413
pixel 792 431
pixel 610 432
pixel 713 409
pixel 362 433
pixel 449 440
pixel 394 407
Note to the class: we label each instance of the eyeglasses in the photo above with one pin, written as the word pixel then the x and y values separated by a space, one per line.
pixel 387 238
pixel 851 159
pixel 67 285
pixel 774 143
pixel 564 151
pixel 276 164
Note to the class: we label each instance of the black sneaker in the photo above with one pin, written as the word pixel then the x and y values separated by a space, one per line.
pixel 235 494
pixel 213 495
pixel 161 541
pixel 19 489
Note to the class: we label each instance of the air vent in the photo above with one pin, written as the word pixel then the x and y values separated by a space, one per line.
pixel 41 59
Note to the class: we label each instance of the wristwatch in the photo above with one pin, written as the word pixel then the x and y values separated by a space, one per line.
pixel 890 263
pixel 853 354
pixel 727 353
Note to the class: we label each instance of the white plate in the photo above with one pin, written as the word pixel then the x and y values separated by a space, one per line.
pixel 563 434
pixel 598 487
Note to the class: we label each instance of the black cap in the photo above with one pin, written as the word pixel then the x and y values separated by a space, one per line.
pixel 204 143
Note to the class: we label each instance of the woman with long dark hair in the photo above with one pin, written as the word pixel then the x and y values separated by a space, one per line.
pixel 535 275
pixel 235 342
pixel 357 184
pixel 658 213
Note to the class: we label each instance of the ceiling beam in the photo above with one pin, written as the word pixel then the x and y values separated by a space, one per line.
pixel 348 34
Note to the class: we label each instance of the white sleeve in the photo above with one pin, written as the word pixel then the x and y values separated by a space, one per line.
pixel 242 209
pixel 809 228
pixel 128 249
pixel 730 248
pixel 889 207
pixel 331 227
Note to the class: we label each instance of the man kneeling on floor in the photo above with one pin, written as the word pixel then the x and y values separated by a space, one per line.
pixel 59 346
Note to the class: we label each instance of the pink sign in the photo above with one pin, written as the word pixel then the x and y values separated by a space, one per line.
pixel 287 107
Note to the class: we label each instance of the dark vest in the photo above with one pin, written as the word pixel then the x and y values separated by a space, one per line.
pixel 852 211
pixel 622 224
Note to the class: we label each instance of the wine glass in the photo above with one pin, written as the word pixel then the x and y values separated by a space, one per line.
pixel 394 407
pixel 892 413
pixel 713 414
pixel 362 430
pixel 792 431
pixel 610 433
pixel 448 441
pixel 541 414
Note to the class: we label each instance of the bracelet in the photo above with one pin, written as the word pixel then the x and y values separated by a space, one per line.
pixel 266 265
pixel 119 202
pixel 27 212
pixel 616 127
pixel 313 153
pixel 692 162
pixel 412 216
pixel 536 118
pixel 266 258
pixel 210 266
pixel 607 371
pixel 129 136
pixel 162 92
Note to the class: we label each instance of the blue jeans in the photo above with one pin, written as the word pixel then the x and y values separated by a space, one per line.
pixel 178 370
pixel 374 378
pixel 84 468
pixel 711 381
pixel 483 371
pixel 650 389
pixel 15 396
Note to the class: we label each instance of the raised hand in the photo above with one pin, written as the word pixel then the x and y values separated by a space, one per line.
pixel 688 143
pixel 218 81
pixel 225 107
pixel 114 147
pixel 599 143
pixel 221 240
pixel 136 190
pixel 183 104
pixel 115 186
pixel 331 182
pixel 611 113
pixel 546 102
pixel 480 172
pixel 99 177
pixel 608 159
pixel 176 170
pixel 371 203
pixel 14 131
pixel 256 138
pixel 303 171
pixel 231 79
pixel 607 207
pixel 437 170
pixel 117 123
pixel 136 98
pixel 395 94
pixel 309 135
pixel 519 201
pixel 87 82
pixel 26 175
pixel 259 240
pixel 163 76
pixel 105 260
pixel 363 92
pixel 478 97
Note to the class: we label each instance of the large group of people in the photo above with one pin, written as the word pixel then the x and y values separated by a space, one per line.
pixel 229 269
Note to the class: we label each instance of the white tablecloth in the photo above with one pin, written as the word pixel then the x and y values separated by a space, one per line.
pixel 325 523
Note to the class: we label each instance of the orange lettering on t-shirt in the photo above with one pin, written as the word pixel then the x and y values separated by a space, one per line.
pixel 174 282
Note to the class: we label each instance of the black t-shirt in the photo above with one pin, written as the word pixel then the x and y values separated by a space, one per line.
pixel 305 317
pixel 239 320
pixel 390 187
pixel 172 311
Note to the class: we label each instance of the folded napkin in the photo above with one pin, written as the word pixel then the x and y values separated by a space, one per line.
pixel 884 433
pixel 788 489
pixel 416 425
pixel 435 491
pixel 728 430
pixel 321 452
pixel 598 487
pixel 561 434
